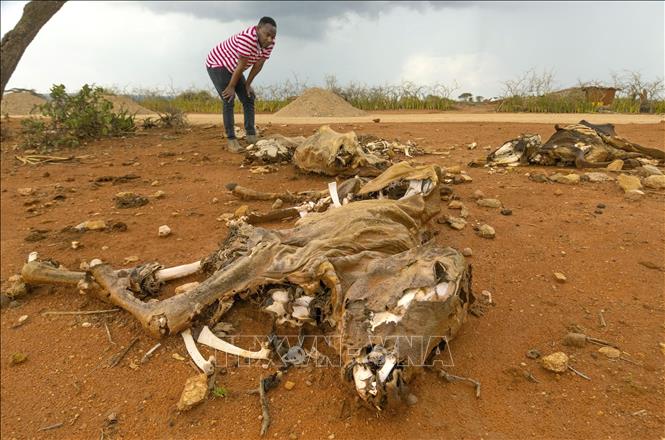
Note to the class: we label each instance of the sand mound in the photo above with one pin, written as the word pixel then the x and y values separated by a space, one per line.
pixel 20 103
pixel 123 102
pixel 319 102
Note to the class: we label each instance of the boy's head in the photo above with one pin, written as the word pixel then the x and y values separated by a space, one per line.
pixel 266 31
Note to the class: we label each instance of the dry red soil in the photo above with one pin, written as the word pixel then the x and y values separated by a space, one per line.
pixel 65 378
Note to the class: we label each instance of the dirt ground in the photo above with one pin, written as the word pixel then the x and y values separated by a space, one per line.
pixel 613 261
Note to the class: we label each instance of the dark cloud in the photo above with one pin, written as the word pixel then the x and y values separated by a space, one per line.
pixel 306 19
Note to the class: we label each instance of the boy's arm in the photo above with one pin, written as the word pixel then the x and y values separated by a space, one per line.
pixel 229 92
pixel 256 68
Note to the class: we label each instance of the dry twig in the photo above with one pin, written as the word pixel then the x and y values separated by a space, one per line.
pixel 116 358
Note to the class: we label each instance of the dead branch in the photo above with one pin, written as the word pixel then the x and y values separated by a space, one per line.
pixel 108 334
pixel 265 423
pixel 579 373
pixel 452 378
pixel 115 359
pixel 249 194
pixel 82 312
pixel 279 214
pixel 54 426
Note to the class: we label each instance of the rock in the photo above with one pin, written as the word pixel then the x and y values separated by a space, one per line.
pixel 124 200
pixel 567 179
pixel 506 211
pixel 561 278
pixel 464 213
pixel 289 385
pixel 277 204
pixel 241 211
pixel 159 194
pixel 462 178
pixel 25 191
pixel 75 244
pixel 538 177
pixel 164 231
pixel 597 177
pixel 86 325
pixel 634 195
pixel 598 211
pixel 214 200
pixel 155 183
pixel 557 362
pixel 472 146
pixel 91 225
pixel 489 203
pixel 411 399
pixel 574 340
pixel 376 120
pixel 610 352
pixel 486 231
pixel 478 194
pixel 455 169
pixel 648 170
pixel 533 354
pixel 455 204
pixel 616 165
pixel 225 217
pixel 16 287
pixel 195 391
pixel 629 183
pixel 177 357
pixel 456 223
pixel 601 206
pixel 467 252
pixel 655 182
pixel 18 358
pixel 130 259
pixel 558 192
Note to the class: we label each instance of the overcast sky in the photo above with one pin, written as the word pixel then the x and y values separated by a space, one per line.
pixel 478 45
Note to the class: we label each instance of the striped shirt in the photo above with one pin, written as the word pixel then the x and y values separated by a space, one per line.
pixel 243 44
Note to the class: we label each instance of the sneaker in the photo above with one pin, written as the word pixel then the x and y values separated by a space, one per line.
pixel 251 138
pixel 234 146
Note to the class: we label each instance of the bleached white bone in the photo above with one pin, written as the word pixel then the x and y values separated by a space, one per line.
pixel 172 273
pixel 361 375
pixel 332 189
pixel 387 367
pixel 205 365
pixel 208 338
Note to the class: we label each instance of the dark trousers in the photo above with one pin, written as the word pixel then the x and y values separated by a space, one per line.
pixel 220 78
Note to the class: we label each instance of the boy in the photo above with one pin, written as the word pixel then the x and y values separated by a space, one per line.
pixel 226 63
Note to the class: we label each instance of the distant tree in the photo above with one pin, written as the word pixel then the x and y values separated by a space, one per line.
pixel 480 98
pixel 13 45
pixel 466 97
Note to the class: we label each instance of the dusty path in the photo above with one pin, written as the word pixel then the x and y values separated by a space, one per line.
pixel 613 258
pixel 391 117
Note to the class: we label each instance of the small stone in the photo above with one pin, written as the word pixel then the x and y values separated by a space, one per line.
pixel 130 259
pixel 16 287
pixel 214 200
pixel 478 194
pixel 456 223
pixel 277 204
pixel 91 225
pixel 472 146
pixel 634 195
pixel 455 204
pixel 558 192
pixel 308 383
pixel 629 183
pixel 241 212
pixel 124 200
pixel 506 211
pixel 76 244
pixel 559 277
pixel 411 399
pixel 597 177
pixel 112 418
pixel 159 194
pixel 649 170
pixel 467 252
pixel 155 183
pixel 195 391
pixel 610 352
pixel 105 248
pixel 22 319
pixel 86 325
pixel 538 177
pixel 567 179
pixel 177 357
pixel 18 358
pixel 455 169
pixel 464 213
pixel 616 165
pixel 533 354
pixel 331 436
pixel 489 203
pixel 25 191
pixel 574 340
pixel 598 211
pixel 289 385
pixel 486 231
pixel 655 182
pixel 557 362
pixel 601 206
pixel 164 231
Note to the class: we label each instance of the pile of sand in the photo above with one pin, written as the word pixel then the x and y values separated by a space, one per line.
pixel 125 103
pixel 20 103
pixel 319 102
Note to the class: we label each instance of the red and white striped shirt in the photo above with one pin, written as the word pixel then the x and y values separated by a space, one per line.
pixel 243 44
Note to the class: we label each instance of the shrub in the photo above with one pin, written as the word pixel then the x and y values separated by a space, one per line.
pixel 72 119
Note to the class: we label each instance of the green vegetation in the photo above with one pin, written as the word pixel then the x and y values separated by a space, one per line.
pixel 70 120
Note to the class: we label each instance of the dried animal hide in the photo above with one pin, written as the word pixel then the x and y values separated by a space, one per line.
pixel 331 153
pixel 275 149
pixel 583 145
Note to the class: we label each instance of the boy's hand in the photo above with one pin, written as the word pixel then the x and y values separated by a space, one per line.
pixel 228 93
pixel 250 91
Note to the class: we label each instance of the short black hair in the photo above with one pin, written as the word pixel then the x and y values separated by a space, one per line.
pixel 267 20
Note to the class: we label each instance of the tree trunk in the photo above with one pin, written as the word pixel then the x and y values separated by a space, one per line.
pixel 35 15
